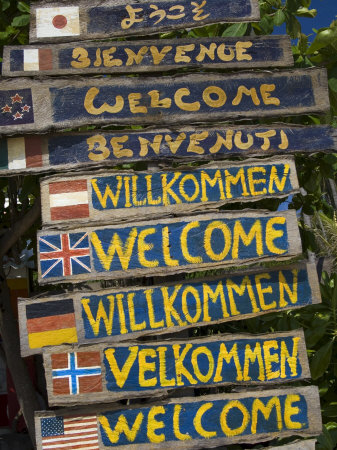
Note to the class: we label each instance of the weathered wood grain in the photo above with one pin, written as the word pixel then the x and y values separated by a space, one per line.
pixel 165 54
pixel 41 105
pixel 166 246
pixel 308 444
pixel 63 21
pixel 89 317
pixel 298 409
pixel 114 196
pixel 101 373
pixel 70 151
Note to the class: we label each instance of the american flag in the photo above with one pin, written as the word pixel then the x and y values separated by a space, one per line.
pixel 70 433
pixel 64 254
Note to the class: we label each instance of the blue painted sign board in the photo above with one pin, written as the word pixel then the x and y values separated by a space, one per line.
pixel 142 370
pixel 54 22
pixel 60 152
pixel 112 315
pixel 147 56
pixel 114 196
pixel 198 422
pixel 64 103
pixel 166 246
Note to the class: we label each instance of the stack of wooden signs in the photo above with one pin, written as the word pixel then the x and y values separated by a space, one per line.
pixel 119 224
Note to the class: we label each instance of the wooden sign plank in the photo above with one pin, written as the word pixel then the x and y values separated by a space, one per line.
pixel 166 246
pixel 147 56
pixel 114 196
pixel 69 151
pixel 39 105
pixel 62 21
pixel 104 373
pixel 113 315
pixel 308 444
pixel 198 422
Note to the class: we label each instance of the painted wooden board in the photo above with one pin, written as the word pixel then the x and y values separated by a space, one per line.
pixel 147 56
pixel 112 315
pixel 308 444
pixel 41 105
pixel 166 246
pixel 104 373
pixel 69 151
pixel 113 196
pixel 64 21
pixel 196 422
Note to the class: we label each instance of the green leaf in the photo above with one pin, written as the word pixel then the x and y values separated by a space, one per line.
pixel 279 18
pixel 321 360
pixel 237 29
pixel 5 4
pixel 23 7
pixel 21 21
pixel 305 12
pixel 323 38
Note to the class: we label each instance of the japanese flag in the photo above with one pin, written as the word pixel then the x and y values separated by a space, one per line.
pixel 57 22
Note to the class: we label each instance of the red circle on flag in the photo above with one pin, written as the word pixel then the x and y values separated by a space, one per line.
pixel 60 21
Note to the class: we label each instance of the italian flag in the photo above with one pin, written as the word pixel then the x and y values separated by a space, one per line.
pixel 21 153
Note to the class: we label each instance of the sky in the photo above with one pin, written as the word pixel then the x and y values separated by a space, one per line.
pixel 326 13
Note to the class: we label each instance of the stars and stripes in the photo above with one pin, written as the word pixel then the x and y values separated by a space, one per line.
pixel 76 373
pixel 57 22
pixel 68 200
pixel 64 254
pixel 16 107
pixel 69 433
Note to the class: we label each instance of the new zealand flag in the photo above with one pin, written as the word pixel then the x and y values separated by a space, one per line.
pixel 16 107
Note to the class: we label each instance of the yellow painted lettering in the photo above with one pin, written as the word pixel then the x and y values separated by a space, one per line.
pixel 223 55
pixel 135 58
pixel 227 430
pixel 284 287
pixel 157 102
pixel 272 234
pixel 80 55
pixel 271 358
pixel 240 235
pixel 240 290
pixel 249 92
pixel 157 55
pixel 253 181
pixel 176 425
pixel 243 145
pixel 235 179
pixel 183 193
pixel 97 144
pixel 266 135
pixel 124 252
pixel 150 199
pixel 169 308
pixel 131 308
pixel 195 138
pixel 181 50
pixel 202 350
pixel 122 426
pixel 145 144
pixel 290 410
pixel 290 359
pixel 284 141
pixel 101 315
pixel 265 90
pixel 228 356
pixel 108 194
pixel 184 243
pixel 92 109
pixel 153 424
pixel 145 366
pixel 266 410
pixel 227 142
pixel 209 51
pixel 187 304
pixel 164 382
pixel 178 98
pixel 197 421
pixel 227 235
pixel 117 147
pixel 250 357
pixel 144 247
pixel 261 291
pixel 218 92
pixel 135 106
pixel 167 189
pixel 166 249
pixel 274 179
pixel 109 60
pixel 179 364
pixel 121 375
pixel 152 319
pixel 174 145
pixel 216 180
pixel 208 293
pixel 241 50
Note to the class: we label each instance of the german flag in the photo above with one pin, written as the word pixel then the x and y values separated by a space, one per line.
pixel 51 323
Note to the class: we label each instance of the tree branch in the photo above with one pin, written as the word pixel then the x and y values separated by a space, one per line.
pixel 20 228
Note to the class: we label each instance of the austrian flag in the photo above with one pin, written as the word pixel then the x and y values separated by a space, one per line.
pixel 68 200
pixel 57 22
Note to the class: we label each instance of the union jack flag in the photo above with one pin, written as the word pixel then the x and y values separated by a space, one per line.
pixel 64 255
